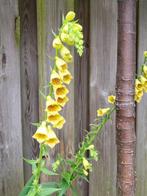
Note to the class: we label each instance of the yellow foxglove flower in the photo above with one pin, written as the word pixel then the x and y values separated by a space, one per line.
pixel 57 44
pixel 145 53
pixel 55 78
pixel 65 54
pixel 138 93
pixel 86 164
pixel 52 106
pixel 52 138
pixel 66 76
pixel 62 101
pixel 102 111
pixel 41 134
pixel 60 123
pixel 111 99
pixel 138 84
pixel 60 91
pixel 65 29
pixel 144 69
pixel 85 172
pixel 53 118
pixel 68 58
pixel 64 37
pixel 61 64
pixel 143 80
pixel 70 16
pixel 137 99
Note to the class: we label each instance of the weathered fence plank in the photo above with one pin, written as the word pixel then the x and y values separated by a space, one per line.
pixel 141 121
pixel 103 45
pixel 11 164
pixel 82 84
pixel 29 79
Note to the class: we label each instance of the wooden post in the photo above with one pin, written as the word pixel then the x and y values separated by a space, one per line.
pixel 29 79
pixel 125 115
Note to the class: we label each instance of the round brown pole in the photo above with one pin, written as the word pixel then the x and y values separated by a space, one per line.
pixel 125 115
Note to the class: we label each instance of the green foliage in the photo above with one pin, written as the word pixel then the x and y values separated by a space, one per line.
pixel 27 187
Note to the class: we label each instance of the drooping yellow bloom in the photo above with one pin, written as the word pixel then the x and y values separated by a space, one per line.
pixel 41 134
pixel 144 69
pixel 111 99
pixel 57 44
pixel 143 80
pixel 86 164
pixel 60 123
pixel 53 118
pixel 66 76
pixel 61 91
pixel 102 111
pixel 66 55
pixel 52 106
pixel 145 53
pixel 61 64
pixel 137 99
pixel 62 101
pixel 138 84
pixel 85 172
pixel 70 16
pixel 138 93
pixel 55 79
pixel 52 138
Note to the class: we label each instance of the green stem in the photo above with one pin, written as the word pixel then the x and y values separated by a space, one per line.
pixel 89 140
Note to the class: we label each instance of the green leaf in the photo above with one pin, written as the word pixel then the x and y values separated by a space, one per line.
pixel 36 124
pixel 48 172
pixel 50 185
pixel 30 161
pixel 27 187
pixel 48 191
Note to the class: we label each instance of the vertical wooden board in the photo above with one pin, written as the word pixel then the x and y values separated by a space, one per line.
pixel 51 22
pixel 82 84
pixel 103 54
pixel 141 121
pixel 11 164
pixel 29 80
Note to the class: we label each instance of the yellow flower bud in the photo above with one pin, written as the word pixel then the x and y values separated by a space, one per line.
pixel 57 43
pixel 65 28
pixel 65 54
pixel 111 99
pixel 144 68
pixel 64 37
pixel 86 164
pixel 85 172
pixel 61 64
pixel 145 53
pixel 102 111
pixel 78 27
pixel 70 16
pixel 137 99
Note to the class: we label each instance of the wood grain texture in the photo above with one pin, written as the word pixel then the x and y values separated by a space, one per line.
pixel 141 121
pixel 11 164
pixel 29 80
pixel 103 50
pixel 82 84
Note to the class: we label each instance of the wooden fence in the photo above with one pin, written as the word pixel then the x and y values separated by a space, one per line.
pixel 24 69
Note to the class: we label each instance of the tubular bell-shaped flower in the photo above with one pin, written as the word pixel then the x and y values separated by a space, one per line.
pixel 55 79
pixel 52 106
